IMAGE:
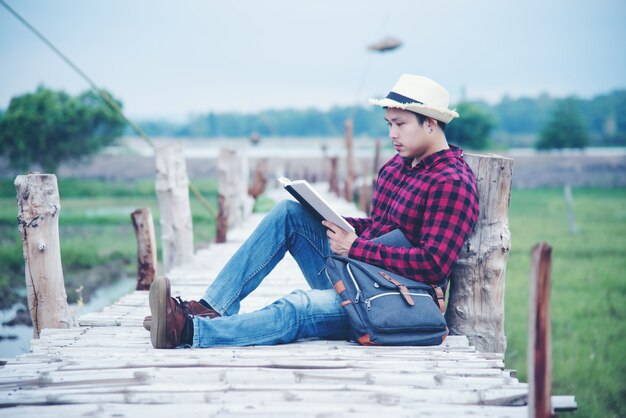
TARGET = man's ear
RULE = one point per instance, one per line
(430, 123)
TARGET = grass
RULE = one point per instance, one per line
(587, 295)
(98, 244)
(588, 288)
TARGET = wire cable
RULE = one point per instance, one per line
(102, 94)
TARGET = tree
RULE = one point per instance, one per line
(564, 129)
(472, 128)
(49, 127)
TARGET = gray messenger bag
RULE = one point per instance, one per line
(384, 308)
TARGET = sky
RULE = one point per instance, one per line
(173, 59)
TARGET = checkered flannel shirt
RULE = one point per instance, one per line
(434, 204)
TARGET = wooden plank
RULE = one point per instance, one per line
(284, 408)
(125, 391)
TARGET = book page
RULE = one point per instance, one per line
(317, 202)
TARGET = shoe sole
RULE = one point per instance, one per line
(158, 309)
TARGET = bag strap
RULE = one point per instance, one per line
(440, 298)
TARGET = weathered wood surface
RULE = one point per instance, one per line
(146, 247)
(476, 298)
(39, 207)
(350, 172)
(539, 340)
(107, 367)
(172, 188)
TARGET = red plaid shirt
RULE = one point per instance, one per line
(434, 204)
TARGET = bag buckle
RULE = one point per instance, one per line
(403, 289)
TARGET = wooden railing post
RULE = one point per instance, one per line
(259, 179)
(333, 182)
(569, 203)
(234, 204)
(539, 338)
(476, 298)
(39, 207)
(226, 191)
(376, 163)
(350, 173)
(146, 247)
(172, 187)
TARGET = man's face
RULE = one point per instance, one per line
(409, 138)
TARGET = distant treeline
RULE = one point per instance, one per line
(604, 117)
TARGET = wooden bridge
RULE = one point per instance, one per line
(103, 364)
(107, 366)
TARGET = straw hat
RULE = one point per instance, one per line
(420, 95)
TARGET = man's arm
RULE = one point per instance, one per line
(359, 224)
(450, 215)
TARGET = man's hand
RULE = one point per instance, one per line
(340, 240)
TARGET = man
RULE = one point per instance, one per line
(426, 190)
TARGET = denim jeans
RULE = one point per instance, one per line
(301, 314)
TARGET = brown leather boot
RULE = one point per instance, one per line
(168, 316)
(190, 307)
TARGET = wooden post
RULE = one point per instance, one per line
(350, 176)
(39, 207)
(259, 181)
(476, 298)
(333, 183)
(366, 190)
(569, 202)
(233, 199)
(245, 202)
(146, 247)
(376, 166)
(226, 192)
(221, 224)
(172, 187)
(539, 341)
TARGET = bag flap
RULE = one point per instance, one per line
(376, 274)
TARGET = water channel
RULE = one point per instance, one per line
(15, 340)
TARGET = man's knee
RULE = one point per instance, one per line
(312, 301)
(288, 208)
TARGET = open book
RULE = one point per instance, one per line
(310, 199)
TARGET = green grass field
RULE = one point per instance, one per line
(588, 286)
(587, 296)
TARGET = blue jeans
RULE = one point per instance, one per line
(301, 314)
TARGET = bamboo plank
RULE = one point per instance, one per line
(267, 409)
(125, 392)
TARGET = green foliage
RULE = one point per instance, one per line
(48, 127)
(286, 122)
(515, 121)
(522, 115)
(472, 128)
(565, 129)
(605, 116)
